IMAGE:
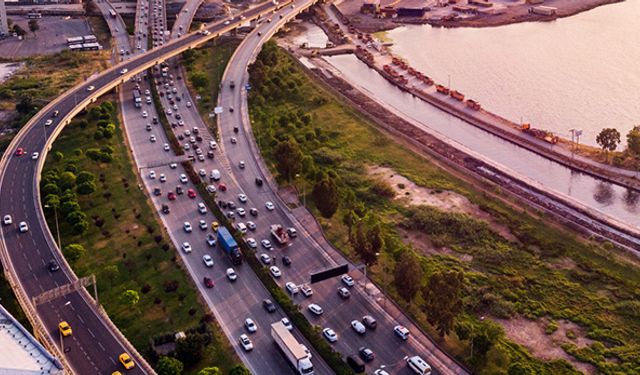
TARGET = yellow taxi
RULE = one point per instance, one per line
(126, 361)
(116, 373)
(214, 225)
(65, 328)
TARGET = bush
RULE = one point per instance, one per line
(93, 154)
(86, 188)
(80, 227)
(57, 156)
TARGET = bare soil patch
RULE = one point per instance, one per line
(423, 245)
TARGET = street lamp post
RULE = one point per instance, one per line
(55, 214)
(304, 196)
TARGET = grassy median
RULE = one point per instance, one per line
(519, 273)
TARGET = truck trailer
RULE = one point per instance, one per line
(229, 245)
(292, 349)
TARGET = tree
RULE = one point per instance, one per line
(442, 299)
(67, 180)
(239, 370)
(484, 337)
(130, 297)
(190, 349)
(80, 227)
(73, 252)
(210, 371)
(19, 30)
(57, 156)
(633, 140)
(408, 275)
(85, 176)
(325, 196)
(169, 366)
(52, 200)
(75, 217)
(49, 189)
(25, 104)
(288, 159)
(199, 79)
(34, 26)
(68, 207)
(608, 139)
(110, 272)
(86, 188)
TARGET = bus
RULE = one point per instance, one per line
(112, 13)
(137, 98)
(89, 39)
(34, 15)
(75, 40)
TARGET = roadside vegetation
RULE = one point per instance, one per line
(108, 228)
(9, 301)
(472, 281)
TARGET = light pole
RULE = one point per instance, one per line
(304, 196)
(55, 214)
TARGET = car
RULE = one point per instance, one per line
(202, 208)
(330, 334)
(183, 178)
(166, 147)
(246, 343)
(347, 280)
(275, 271)
(186, 247)
(234, 140)
(187, 227)
(188, 104)
(152, 138)
(266, 244)
(148, 127)
(210, 154)
(23, 227)
(169, 111)
(214, 225)
(157, 192)
(251, 225)
(222, 187)
(91, 88)
(211, 189)
(163, 178)
(241, 164)
(19, 151)
(344, 293)
(380, 371)
(242, 198)
(124, 71)
(286, 260)
(268, 305)
(186, 146)
(266, 259)
(165, 209)
(231, 204)
(402, 332)
(269, 206)
(213, 145)
(202, 173)
(250, 325)
(231, 274)
(144, 114)
(152, 175)
(358, 327)
(191, 193)
(369, 321)
(208, 261)
(287, 323)
(202, 224)
(251, 242)
(366, 354)
(126, 359)
(208, 282)
(241, 212)
(173, 165)
(231, 215)
(293, 233)
(211, 240)
(7, 220)
(316, 309)
(306, 290)
(291, 287)
(53, 265)
(65, 329)
(253, 211)
(258, 181)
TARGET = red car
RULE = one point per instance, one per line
(208, 282)
(222, 187)
(191, 193)
(171, 196)
(19, 151)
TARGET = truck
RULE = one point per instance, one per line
(229, 245)
(137, 98)
(292, 349)
(279, 233)
(112, 13)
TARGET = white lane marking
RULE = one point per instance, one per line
(82, 320)
(91, 333)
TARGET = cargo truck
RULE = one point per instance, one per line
(229, 245)
(292, 349)
(278, 232)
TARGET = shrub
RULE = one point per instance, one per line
(171, 285)
(80, 227)
(86, 188)
(57, 156)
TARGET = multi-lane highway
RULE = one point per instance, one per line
(95, 345)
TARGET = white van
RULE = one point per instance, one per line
(419, 365)
(241, 227)
(215, 175)
(213, 145)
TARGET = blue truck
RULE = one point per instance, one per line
(229, 245)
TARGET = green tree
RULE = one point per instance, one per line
(85, 176)
(80, 227)
(75, 217)
(52, 200)
(442, 299)
(111, 272)
(190, 349)
(67, 180)
(169, 366)
(73, 252)
(49, 189)
(57, 156)
(288, 158)
(210, 371)
(518, 368)
(484, 337)
(130, 297)
(608, 139)
(633, 140)
(199, 80)
(239, 370)
(325, 195)
(25, 105)
(86, 188)
(408, 275)
(34, 26)
(68, 207)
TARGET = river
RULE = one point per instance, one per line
(578, 72)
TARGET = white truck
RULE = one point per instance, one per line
(279, 233)
(292, 349)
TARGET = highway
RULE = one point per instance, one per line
(94, 345)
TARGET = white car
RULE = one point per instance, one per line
(173, 165)
(241, 164)
(242, 198)
(163, 178)
(187, 227)
(231, 274)
(166, 147)
(266, 259)
(275, 271)
(152, 175)
(203, 224)
(292, 288)
(202, 208)
(186, 247)
(7, 220)
(251, 242)
(250, 325)
(241, 211)
(306, 290)
(211, 240)
(269, 206)
(266, 244)
(251, 225)
(330, 334)
(358, 327)
(380, 372)
(183, 178)
(246, 343)
(23, 227)
(202, 173)
(144, 114)
(211, 189)
(188, 104)
(49, 122)
(316, 309)
(91, 88)
(35, 155)
(347, 280)
(124, 71)
(186, 147)
(401, 331)
(234, 140)
(287, 323)
(208, 261)
(152, 138)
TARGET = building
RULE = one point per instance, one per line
(411, 12)
(20, 352)
(370, 7)
(4, 25)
